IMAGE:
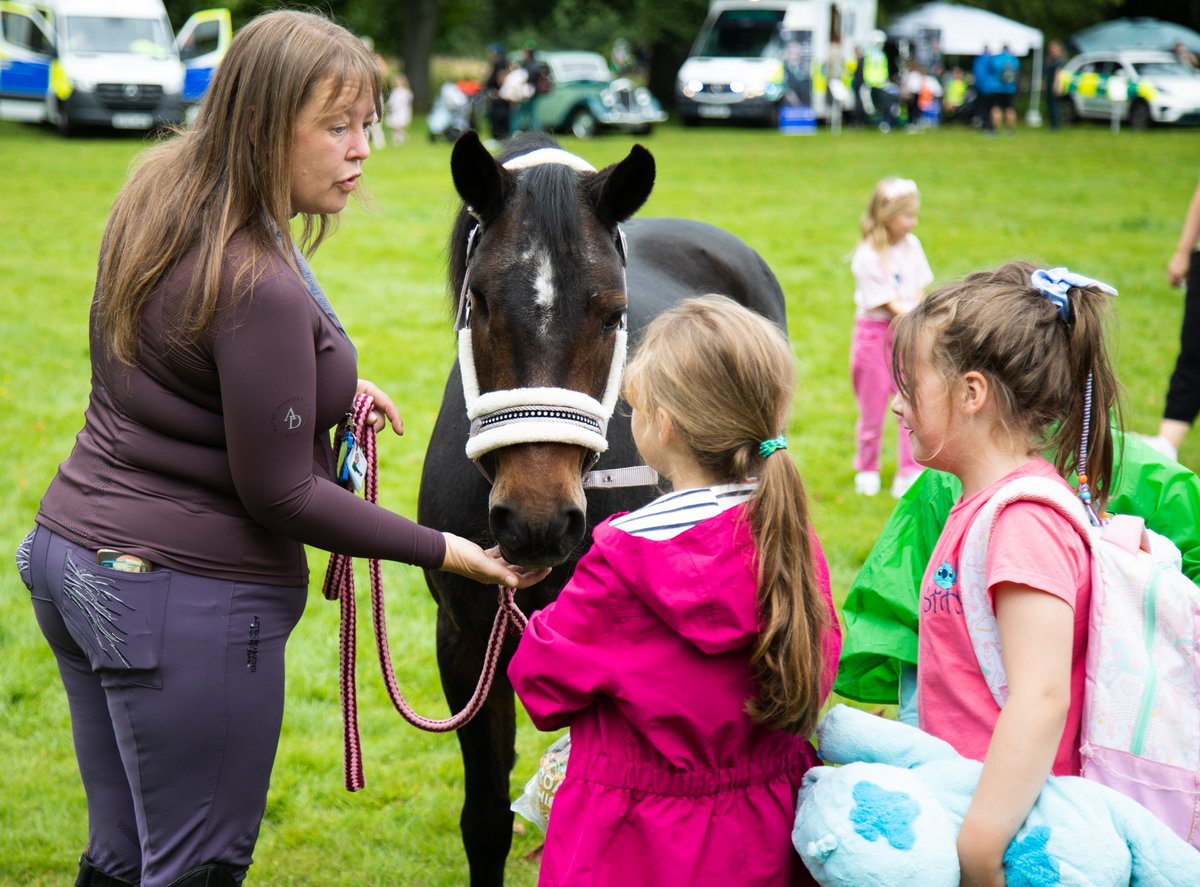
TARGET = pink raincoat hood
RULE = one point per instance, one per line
(697, 582)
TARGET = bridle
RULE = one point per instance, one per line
(545, 414)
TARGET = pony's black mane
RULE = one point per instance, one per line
(552, 216)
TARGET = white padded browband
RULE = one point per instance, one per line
(549, 155)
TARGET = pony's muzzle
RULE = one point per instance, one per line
(545, 540)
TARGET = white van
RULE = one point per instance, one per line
(751, 53)
(113, 63)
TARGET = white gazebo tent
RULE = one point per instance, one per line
(965, 30)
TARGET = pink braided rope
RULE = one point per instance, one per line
(339, 584)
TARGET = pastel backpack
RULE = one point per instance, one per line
(1141, 705)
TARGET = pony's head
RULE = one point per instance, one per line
(538, 262)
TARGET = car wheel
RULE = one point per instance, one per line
(62, 122)
(643, 130)
(689, 122)
(583, 124)
(1139, 115)
(1071, 111)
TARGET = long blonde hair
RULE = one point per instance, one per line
(231, 172)
(998, 324)
(891, 197)
(725, 377)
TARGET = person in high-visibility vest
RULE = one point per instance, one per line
(955, 94)
(875, 77)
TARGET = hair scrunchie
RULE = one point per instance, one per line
(1056, 284)
(767, 447)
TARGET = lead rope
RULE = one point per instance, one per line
(339, 585)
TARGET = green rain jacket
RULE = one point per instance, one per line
(881, 608)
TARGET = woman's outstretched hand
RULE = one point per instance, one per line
(466, 558)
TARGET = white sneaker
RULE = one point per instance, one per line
(901, 482)
(1161, 444)
(866, 483)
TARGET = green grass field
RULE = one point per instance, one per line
(1107, 205)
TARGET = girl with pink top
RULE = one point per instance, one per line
(695, 644)
(890, 275)
(992, 372)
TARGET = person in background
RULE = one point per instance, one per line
(1185, 55)
(399, 109)
(499, 110)
(1006, 77)
(691, 650)
(990, 371)
(1183, 392)
(1055, 58)
(166, 568)
(983, 75)
(857, 86)
(955, 94)
(890, 275)
(884, 92)
(378, 139)
(910, 90)
(538, 80)
(929, 100)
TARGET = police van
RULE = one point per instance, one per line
(751, 56)
(110, 63)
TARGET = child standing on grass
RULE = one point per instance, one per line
(991, 372)
(696, 642)
(890, 275)
(399, 109)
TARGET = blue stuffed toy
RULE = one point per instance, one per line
(891, 815)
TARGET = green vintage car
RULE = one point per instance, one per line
(586, 99)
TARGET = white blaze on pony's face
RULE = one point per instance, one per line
(543, 283)
(546, 333)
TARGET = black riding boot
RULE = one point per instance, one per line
(211, 875)
(92, 876)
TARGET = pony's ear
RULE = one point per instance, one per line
(618, 191)
(481, 182)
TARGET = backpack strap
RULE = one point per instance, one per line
(973, 562)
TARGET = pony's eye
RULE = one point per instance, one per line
(479, 306)
(614, 321)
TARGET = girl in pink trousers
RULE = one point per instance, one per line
(890, 275)
(693, 648)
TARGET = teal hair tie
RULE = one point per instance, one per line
(767, 447)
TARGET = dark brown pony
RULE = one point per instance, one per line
(550, 290)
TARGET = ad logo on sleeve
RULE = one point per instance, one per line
(290, 417)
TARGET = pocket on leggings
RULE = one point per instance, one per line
(24, 557)
(117, 618)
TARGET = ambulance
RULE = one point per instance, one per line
(749, 54)
(105, 63)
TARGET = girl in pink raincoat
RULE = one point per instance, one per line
(693, 648)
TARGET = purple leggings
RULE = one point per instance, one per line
(871, 373)
(175, 687)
